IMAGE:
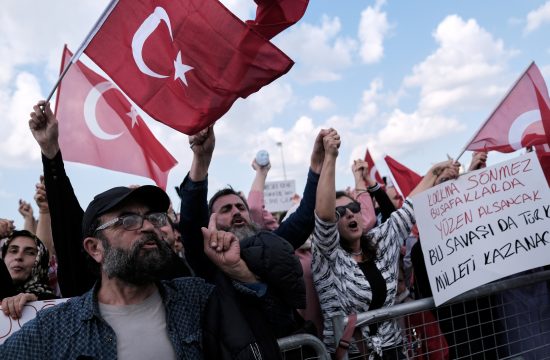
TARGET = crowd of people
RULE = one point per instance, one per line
(223, 278)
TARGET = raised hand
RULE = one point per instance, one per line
(203, 142)
(220, 246)
(40, 196)
(44, 128)
(331, 143)
(25, 209)
(6, 228)
(318, 153)
(224, 250)
(479, 160)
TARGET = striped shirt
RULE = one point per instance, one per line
(341, 284)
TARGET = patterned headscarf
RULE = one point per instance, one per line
(37, 283)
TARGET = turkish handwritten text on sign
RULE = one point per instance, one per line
(486, 225)
(278, 195)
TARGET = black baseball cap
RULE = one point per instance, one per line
(154, 197)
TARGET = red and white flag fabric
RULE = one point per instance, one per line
(543, 154)
(273, 16)
(98, 126)
(373, 171)
(184, 62)
(405, 178)
(516, 122)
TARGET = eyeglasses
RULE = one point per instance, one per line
(135, 221)
(354, 207)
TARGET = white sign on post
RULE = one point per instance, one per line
(278, 195)
(8, 325)
(487, 224)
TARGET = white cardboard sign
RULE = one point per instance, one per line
(278, 195)
(8, 326)
(487, 224)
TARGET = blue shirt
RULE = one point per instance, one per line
(75, 328)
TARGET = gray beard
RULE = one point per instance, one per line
(243, 232)
(132, 267)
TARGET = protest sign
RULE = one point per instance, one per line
(278, 195)
(8, 325)
(486, 225)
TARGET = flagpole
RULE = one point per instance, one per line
(84, 44)
(496, 108)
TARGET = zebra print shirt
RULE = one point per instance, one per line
(341, 285)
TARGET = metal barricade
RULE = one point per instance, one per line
(508, 319)
(302, 347)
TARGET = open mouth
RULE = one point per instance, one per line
(238, 222)
(353, 225)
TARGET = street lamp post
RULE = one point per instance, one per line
(280, 144)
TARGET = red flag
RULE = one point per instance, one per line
(184, 62)
(372, 169)
(544, 111)
(543, 153)
(98, 126)
(273, 16)
(516, 122)
(405, 178)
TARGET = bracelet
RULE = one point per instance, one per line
(360, 190)
(373, 188)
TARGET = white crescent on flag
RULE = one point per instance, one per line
(520, 124)
(144, 31)
(90, 104)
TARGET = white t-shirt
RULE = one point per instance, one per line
(140, 329)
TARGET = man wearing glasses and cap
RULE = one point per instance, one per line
(129, 313)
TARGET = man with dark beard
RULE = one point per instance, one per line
(129, 313)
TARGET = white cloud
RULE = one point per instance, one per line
(245, 10)
(464, 72)
(320, 103)
(373, 28)
(320, 53)
(537, 18)
(369, 109)
(17, 145)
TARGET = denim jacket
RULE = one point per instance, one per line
(76, 330)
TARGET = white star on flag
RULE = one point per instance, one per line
(133, 114)
(180, 69)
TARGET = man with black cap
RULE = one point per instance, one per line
(74, 273)
(129, 314)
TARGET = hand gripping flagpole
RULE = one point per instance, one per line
(84, 44)
(496, 108)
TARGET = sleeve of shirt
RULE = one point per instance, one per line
(367, 209)
(258, 213)
(326, 238)
(299, 225)
(193, 216)
(25, 343)
(390, 234)
(66, 219)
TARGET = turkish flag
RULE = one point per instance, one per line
(273, 16)
(373, 171)
(184, 62)
(405, 178)
(516, 122)
(98, 126)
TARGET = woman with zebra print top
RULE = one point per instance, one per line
(355, 272)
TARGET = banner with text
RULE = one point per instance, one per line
(8, 325)
(278, 195)
(487, 224)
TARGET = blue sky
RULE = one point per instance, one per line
(412, 79)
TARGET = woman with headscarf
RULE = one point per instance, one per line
(353, 271)
(26, 260)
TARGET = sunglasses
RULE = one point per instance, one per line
(354, 207)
